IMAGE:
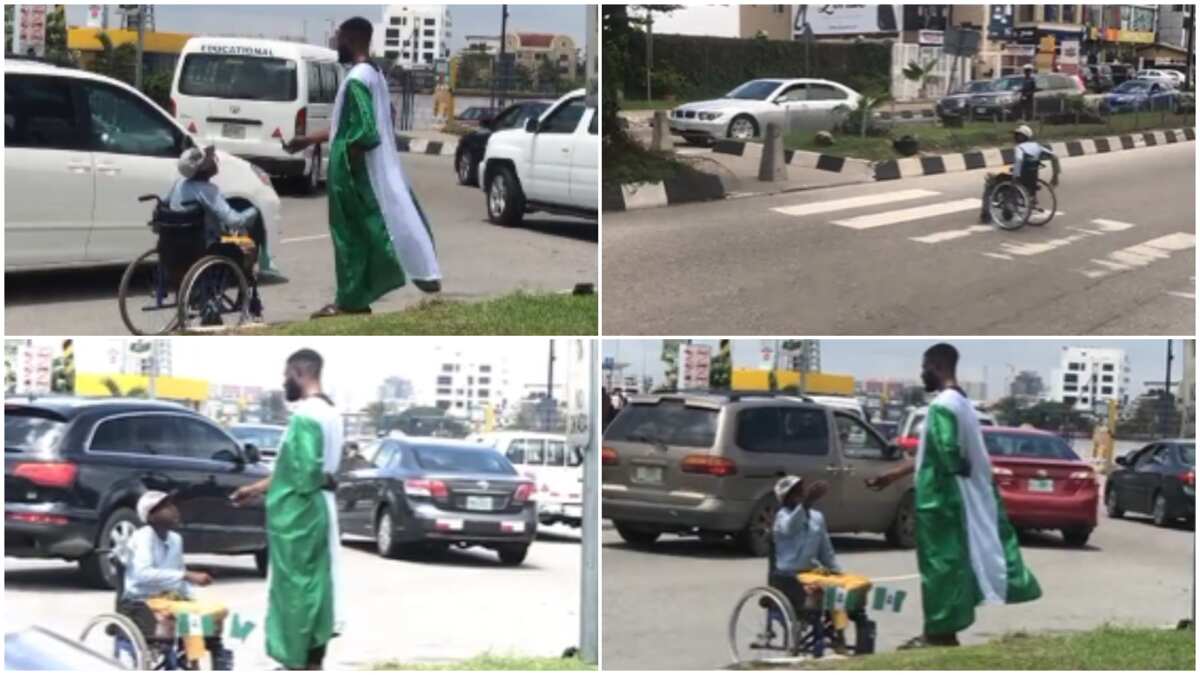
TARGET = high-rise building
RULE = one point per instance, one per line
(1026, 384)
(976, 391)
(413, 35)
(1088, 376)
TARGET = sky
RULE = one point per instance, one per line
(900, 358)
(275, 20)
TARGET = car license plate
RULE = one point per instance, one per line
(1041, 485)
(479, 503)
(981, 111)
(648, 474)
(236, 131)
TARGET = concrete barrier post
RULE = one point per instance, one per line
(772, 167)
(661, 140)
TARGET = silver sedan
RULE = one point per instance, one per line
(796, 105)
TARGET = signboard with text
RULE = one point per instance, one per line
(1000, 22)
(695, 362)
(845, 19)
(32, 24)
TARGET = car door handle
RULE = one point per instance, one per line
(108, 169)
(79, 167)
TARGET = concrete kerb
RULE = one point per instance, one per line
(909, 167)
(801, 159)
(425, 146)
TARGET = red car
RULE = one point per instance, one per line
(1044, 484)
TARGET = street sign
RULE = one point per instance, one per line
(32, 28)
(960, 42)
(695, 362)
(95, 17)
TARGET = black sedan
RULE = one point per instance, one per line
(410, 493)
(471, 147)
(1159, 479)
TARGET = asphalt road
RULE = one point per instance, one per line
(668, 608)
(478, 259)
(427, 610)
(907, 257)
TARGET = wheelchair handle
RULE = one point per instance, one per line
(146, 198)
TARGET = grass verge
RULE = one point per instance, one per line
(624, 161)
(492, 662)
(936, 139)
(514, 314)
(1104, 648)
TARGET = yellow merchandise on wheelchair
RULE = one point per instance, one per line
(817, 583)
(169, 611)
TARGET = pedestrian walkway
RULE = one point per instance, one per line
(917, 215)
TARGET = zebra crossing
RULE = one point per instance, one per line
(906, 210)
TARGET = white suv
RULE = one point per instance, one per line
(552, 164)
(79, 148)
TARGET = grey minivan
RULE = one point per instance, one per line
(705, 464)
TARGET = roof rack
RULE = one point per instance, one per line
(737, 394)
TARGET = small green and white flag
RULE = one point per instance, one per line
(887, 598)
(835, 598)
(237, 629)
(194, 624)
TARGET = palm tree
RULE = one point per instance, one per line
(114, 390)
(921, 74)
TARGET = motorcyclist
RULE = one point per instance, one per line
(1028, 155)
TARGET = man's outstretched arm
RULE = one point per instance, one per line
(885, 479)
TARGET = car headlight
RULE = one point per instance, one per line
(262, 175)
(709, 116)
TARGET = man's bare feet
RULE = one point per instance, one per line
(333, 310)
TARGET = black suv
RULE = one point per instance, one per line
(470, 149)
(75, 468)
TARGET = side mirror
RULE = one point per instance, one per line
(531, 125)
(229, 456)
(1122, 460)
(253, 456)
(891, 451)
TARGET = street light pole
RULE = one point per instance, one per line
(589, 604)
(1166, 397)
(649, 52)
(141, 46)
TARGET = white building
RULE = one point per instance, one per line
(1087, 375)
(412, 35)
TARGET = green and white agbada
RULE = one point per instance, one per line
(967, 550)
(380, 234)
(304, 603)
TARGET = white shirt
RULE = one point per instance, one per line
(154, 566)
(219, 216)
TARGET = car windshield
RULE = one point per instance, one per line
(1187, 451)
(462, 460)
(30, 432)
(755, 90)
(238, 77)
(261, 438)
(669, 422)
(1132, 86)
(1032, 446)
(1008, 84)
(976, 87)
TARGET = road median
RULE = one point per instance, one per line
(1104, 648)
(517, 313)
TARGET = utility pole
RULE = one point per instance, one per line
(1189, 24)
(550, 405)
(589, 68)
(505, 72)
(152, 390)
(649, 53)
(1166, 397)
(589, 603)
(141, 46)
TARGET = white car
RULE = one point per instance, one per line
(796, 105)
(248, 96)
(1173, 78)
(554, 467)
(79, 149)
(551, 164)
(914, 426)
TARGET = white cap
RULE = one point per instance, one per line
(148, 502)
(784, 485)
(190, 162)
(1024, 130)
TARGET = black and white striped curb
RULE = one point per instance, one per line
(909, 167)
(424, 146)
(690, 187)
(926, 114)
(800, 159)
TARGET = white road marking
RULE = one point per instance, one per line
(1141, 255)
(1038, 247)
(852, 202)
(1111, 225)
(1181, 294)
(998, 256)
(905, 215)
(947, 235)
(293, 240)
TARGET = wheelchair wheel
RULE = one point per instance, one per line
(119, 638)
(144, 299)
(1047, 203)
(214, 294)
(1009, 205)
(762, 626)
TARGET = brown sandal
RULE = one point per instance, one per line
(333, 310)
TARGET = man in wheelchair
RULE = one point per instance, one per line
(804, 566)
(198, 167)
(1028, 156)
(157, 588)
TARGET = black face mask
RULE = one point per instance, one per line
(931, 381)
(291, 390)
(345, 56)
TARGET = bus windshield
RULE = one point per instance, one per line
(248, 78)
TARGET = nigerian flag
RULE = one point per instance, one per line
(194, 623)
(887, 598)
(967, 550)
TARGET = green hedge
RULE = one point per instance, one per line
(690, 67)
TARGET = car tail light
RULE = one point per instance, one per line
(192, 128)
(709, 464)
(37, 518)
(523, 492)
(419, 487)
(277, 133)
(171, 107)
(47, 474)
(1188, 477)
(608, 457)
(302, 122)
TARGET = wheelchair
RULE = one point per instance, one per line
(766, 625)
(186, 284)
(128, 635)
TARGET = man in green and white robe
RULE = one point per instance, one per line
(380, 234)
(967, 551)
(304, 609)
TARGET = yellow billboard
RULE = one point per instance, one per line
(117, 384)
(754, 379)
(88, 40)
